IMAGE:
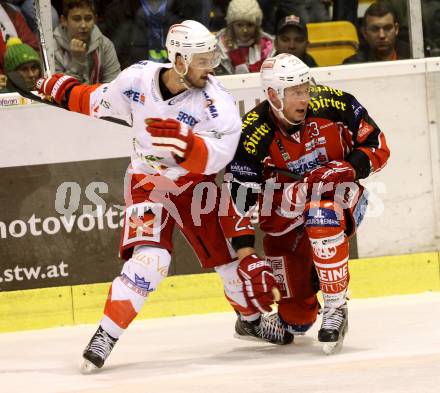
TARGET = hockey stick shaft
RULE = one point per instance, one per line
(43, 47)
(15, 80)
(288, 174)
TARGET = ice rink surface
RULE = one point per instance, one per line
(393, 345)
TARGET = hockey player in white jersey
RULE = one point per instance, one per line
(186, 129)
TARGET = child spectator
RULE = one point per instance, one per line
(24, 59)
(243, 45)
(81, 50)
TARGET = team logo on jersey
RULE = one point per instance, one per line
(357, 108)
(321, 217)
(187, 119)
(142, 223)
(319, 102)
(241, 170)
(210, 105)
(135, 96)
(140, 285)
(308, 161)
(365, 129)
(252, 140)
(279, 271)
(315, 142)
(250, 118)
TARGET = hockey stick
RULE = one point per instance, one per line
(288, 174)
(16, 82)
(43, 47)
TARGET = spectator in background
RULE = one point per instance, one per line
(310, 11)
(81, 50)
(210, 13)
(431, 27)
(28, 11)
(243, 45)
(13, 24)
(401, 12)
(345, 10)
(138, 28)
(217, 16)
(24, 59)
(380, 30)
(292, 38)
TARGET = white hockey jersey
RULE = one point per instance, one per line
(135, 96)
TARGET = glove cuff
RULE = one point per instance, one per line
(196, 158)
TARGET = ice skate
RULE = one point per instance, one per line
(97, 351)
(333, 329)
(266, 328)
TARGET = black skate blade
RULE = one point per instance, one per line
(250, 338)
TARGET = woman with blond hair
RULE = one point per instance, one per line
(242, 43)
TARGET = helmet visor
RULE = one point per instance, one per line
(298, 92)
(205, 60)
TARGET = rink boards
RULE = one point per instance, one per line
(202, 293)
(50, 262)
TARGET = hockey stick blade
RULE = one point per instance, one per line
(16, 82)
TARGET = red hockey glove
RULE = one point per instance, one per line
(56, 86)
(335, 172)
(171, 135)
(259, 284)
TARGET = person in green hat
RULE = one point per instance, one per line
(24, 59)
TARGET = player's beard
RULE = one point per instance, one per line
(197, 82)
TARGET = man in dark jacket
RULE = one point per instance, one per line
(380, 30)
(138, 29)
(291, 37)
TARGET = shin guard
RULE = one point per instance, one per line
(140, 275)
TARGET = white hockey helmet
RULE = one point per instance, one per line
(282, 71)
(188, 38)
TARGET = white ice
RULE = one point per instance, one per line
(393, 345)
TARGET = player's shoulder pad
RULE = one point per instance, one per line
(219, 105)
(257, 129)
(326, 99)
(133, 81)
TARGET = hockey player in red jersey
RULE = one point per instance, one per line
(324, 139)
(186, 128)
